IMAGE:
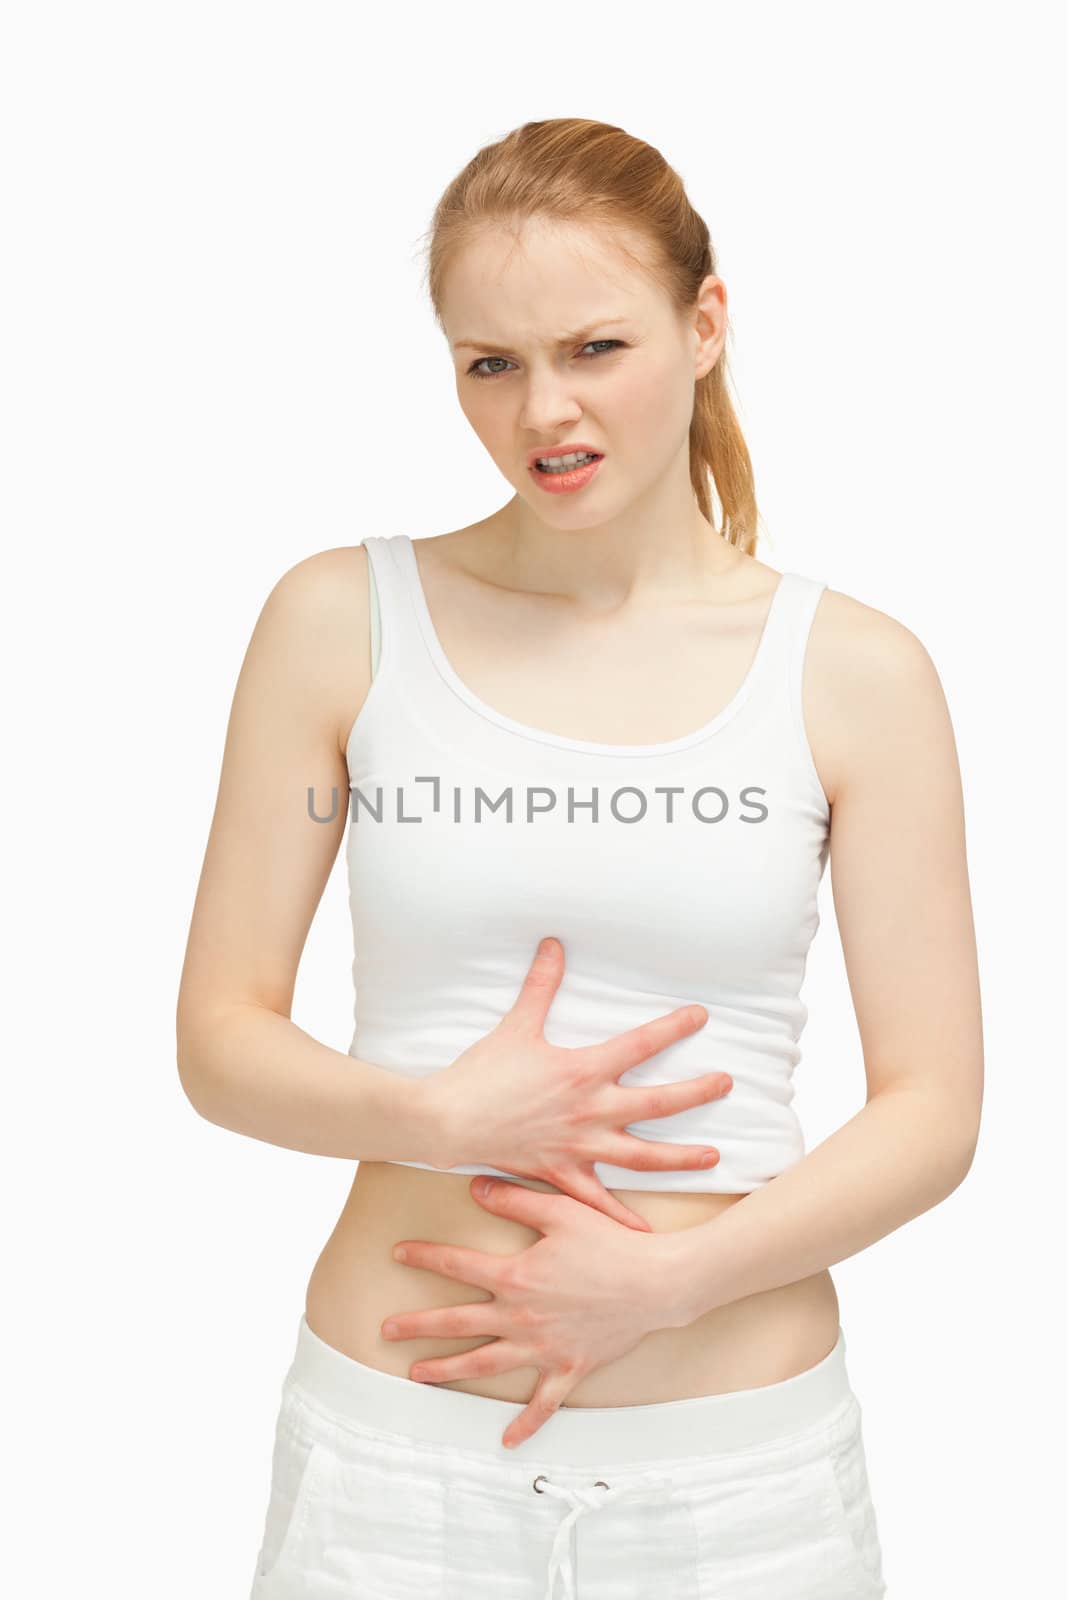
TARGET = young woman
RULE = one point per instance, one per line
(596, 720)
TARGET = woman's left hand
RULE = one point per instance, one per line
(582, 1295)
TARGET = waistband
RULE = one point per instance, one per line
(701, 1427)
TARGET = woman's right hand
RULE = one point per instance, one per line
(513, 1101)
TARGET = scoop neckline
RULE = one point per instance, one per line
(562, 741)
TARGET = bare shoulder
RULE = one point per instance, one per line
(870, 686)
(324, 586)
(318, 616)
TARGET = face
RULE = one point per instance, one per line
(559, 339)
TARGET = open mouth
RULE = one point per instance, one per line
(567, 464)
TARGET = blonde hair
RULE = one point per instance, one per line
(571, 169)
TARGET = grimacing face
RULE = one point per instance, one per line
(558, 337)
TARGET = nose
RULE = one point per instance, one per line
(548, 405)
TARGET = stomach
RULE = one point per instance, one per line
(355, 1284)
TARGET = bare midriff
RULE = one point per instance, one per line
(761, 1339)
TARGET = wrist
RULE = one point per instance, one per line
(680, 1275)
(436, 1127)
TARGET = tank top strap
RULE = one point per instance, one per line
(788, 625)
(394, 632)
(375, 617)
(784, 644)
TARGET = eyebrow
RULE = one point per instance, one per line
(565, 338)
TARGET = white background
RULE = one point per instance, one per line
(217, 359)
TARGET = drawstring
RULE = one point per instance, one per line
(651, 1484)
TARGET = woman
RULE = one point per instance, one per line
(596, 720)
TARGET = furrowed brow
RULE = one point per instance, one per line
(564, 338)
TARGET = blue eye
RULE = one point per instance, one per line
(473, 369)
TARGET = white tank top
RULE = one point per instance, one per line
(675, 872)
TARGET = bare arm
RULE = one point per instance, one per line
(242, 1061)
(901, 894)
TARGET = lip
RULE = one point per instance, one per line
(572, 482)
(561, 450)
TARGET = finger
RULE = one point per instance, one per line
(637, 1044)
(514, 1200)
(664, 1099)
(547, 1398)
(647, 1155)
(453, 1261)
(444, 1322)
(591, 1192)
(483, 1362)
(538, 991)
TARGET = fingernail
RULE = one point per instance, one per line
(400, 1254)
(709, 1158)
(483, 1186)
(388, 1329)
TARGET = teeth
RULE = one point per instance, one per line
(564, 463)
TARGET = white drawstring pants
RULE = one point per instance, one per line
(387, 1489)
